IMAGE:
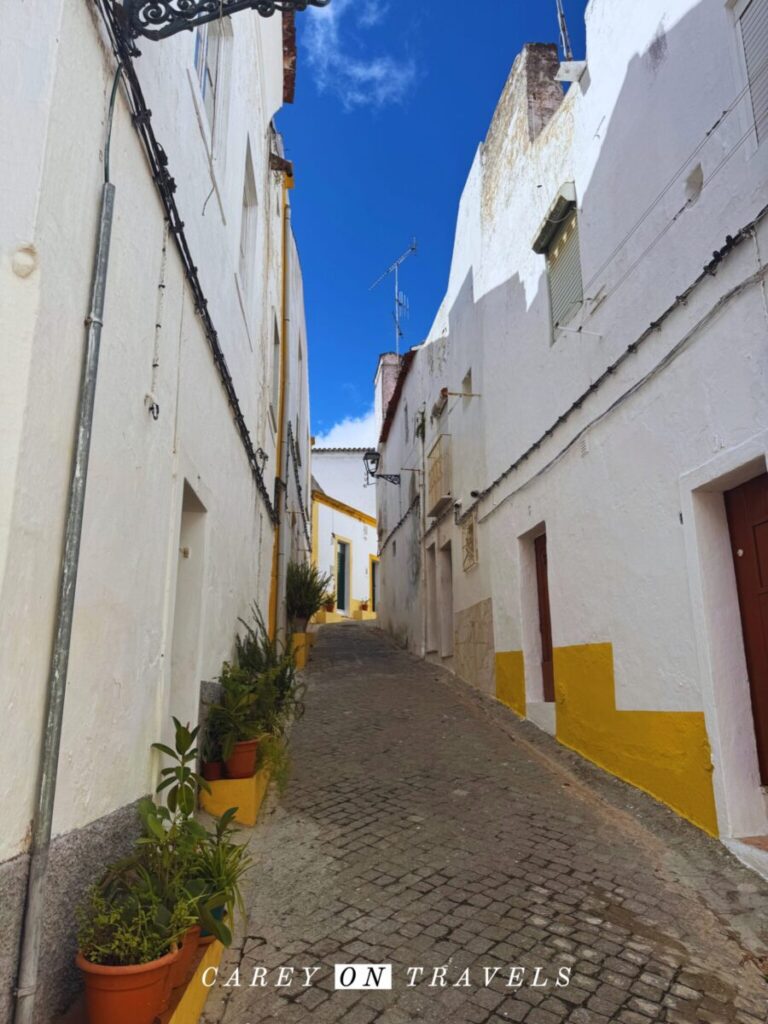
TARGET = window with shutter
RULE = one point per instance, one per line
(564, 272)
(754, 36)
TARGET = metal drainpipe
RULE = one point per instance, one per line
(26, 988)
(278, 552)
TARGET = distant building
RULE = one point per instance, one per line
(589, 413)
(344, 541)
(200, 450)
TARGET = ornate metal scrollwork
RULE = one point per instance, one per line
(158, 19)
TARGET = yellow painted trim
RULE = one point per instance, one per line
(246, 795)
(300, 649)
(190, 1006)
(274, 582)
(315, 529)
(510, 680)
(664, 753)
(340, 506)
(324, 618)
(350, 600)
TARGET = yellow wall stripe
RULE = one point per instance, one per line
(510, 680)
(664, 753)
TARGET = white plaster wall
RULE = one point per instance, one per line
(606, 482)
(118, 698)
(341, 474)
(332, 524)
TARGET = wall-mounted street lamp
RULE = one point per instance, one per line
(371, 460)
(158, 19)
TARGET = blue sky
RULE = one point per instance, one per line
(392, 99)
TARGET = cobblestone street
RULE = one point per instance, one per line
(424, 826)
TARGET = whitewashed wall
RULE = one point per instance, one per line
(119, 695)
(614, 480)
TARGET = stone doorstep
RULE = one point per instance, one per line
(187, 1001)
(752, 852)
(247, 795)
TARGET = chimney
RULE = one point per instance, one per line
(540, 64)
(384, 385)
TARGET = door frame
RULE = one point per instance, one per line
(373, 579)
(336, 541)
(742, 804)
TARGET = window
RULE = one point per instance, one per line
(558, 241)
(208, 47)
(564, 272)
(754, 37)
(247, 226)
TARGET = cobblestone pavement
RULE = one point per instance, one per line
(425, 827)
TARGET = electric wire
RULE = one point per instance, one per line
(124, 51)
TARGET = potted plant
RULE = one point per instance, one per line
(220, 865)
(305, 591)
(212, 768)
(273, 674)
(245, 711)
(329, 602)
(363, 606)
(128, 946)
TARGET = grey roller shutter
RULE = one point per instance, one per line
(564, 272)
(754, 35)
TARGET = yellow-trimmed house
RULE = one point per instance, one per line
(344, 535)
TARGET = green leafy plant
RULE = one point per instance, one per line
(260, 655)
(273, 752)
(246, 710)
(122, 925)
(305, 592)
(221, 864)
(180, 778)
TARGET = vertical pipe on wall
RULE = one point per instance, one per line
(57, 680)
(277, 553)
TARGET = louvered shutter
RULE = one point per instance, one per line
(754, 35)
(564, 271)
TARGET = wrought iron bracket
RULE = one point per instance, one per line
(158, 19)
(391, 478)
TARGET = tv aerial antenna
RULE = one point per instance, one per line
(565, 39)
(401, 309)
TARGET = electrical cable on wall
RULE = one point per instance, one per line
(124, 52)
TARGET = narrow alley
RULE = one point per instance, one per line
(425, 827)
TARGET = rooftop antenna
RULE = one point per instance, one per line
(564, 37)
(401, 303)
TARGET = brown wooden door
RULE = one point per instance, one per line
(545, 620)
(747, 508)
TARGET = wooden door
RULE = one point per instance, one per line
(545, 620)
(747, 508)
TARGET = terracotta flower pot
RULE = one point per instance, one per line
(182, 969)
(242, 763)
(126, 995)
(329, 606)
(213, 770)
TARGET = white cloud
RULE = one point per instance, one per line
(351, 432)
(358, 81)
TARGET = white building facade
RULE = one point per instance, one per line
(344, 538)
(584, 528)
(198, 484)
